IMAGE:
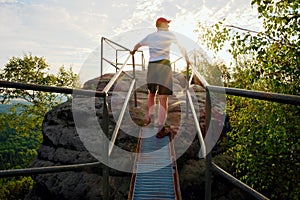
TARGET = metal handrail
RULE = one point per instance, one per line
(61, 90)
(238, 183)
(282, 98)
(199, 76)
(209, 164)
(115, 77)
(207, 155)
(50, 169)
(62, 168)
(109, 42)
(120, 119)
(112, 42)
(110, 62)
(202, 153)
(205, 84)
(268, 96)
(44, 88)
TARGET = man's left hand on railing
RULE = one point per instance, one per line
(188, 63)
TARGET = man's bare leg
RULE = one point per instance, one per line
(163, 109)
(151, 103)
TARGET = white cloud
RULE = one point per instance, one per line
(8, 1)
(65, 32)
(49, 31)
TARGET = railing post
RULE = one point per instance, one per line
(143, 62)
(134, 77)
(105, 170)
(101, 61)
(208, 164)
(187, 88)
(208, 176)
(116, 60)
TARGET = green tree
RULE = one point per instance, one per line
(215, 73)
(20, 129)
(265, 136)
(270, 56)
(35, 70)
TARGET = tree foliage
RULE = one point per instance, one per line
(271, 55)
(265, 136)
(35, 70)
(215, 73)
(15, 188)
(264, 142)
(20, 128)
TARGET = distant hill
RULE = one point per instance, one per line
(4, 108)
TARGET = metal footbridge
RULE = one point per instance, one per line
(155, 175)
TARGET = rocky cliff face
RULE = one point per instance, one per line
(63, 145)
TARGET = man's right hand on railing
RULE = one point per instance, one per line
(135, 48)
(188, 63)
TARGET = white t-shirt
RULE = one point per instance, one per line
(159, 45)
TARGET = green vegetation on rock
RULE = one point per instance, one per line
(265, 137)
(21, 121)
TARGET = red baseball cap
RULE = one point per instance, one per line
(162, 20)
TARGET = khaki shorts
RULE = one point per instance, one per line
(159, 77)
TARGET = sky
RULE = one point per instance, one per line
(67, 32)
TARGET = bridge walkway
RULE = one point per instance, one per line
(155, 175)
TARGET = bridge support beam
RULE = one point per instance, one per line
(208, 176)
(105, 170)
(208, 162)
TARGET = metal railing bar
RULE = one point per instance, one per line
(208, 159)
(109, 43)
(238, 183)
(116, 59)
(199, 76)
(116, 44)
(123, 50)
(130, 64)
(116, 66)
(104, 149)
(143, 61)
(129, 75)
(43, 88)
(275, 97)
(130, 50)
(110, 62)
(268, 96)
(176, 60)
(120, 119)
(45, 170)
(203, 147)
(134, 78)
(191, 78)
(115, 77)
(126, 50)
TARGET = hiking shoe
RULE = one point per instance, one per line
(162, 132)
(149, 120)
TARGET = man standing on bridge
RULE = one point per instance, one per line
(159, 75)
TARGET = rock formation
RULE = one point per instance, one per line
(62, 145)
